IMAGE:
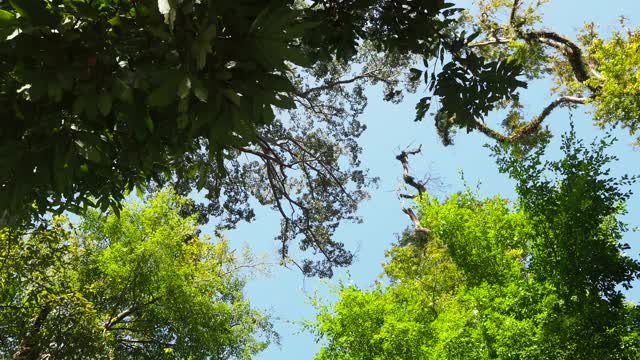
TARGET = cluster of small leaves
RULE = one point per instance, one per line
(540, 279)
(140, 286)
(579, 210)
(468, 88)
(495, 24)
(403, 26)
(618, 99)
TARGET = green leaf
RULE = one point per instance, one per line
(415, 74)
(280, 83)
(200, 91)
(34, 10)
(7, 18)
(232, 96)
(184, 87)
(89, 151)
(167, 91)
(202, 178)
(122, 91)
(115, 21)
(298, 30)
(104, 104)
(202, 46)
(296, 55)
(148, 122)
(162, 96)
(284, 102)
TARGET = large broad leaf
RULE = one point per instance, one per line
(6, 18)
(202, 45)
(34, 10)
(167, 92)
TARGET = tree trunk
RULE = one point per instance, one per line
(28, 348)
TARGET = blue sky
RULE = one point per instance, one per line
(391, 128)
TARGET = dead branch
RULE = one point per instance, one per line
(403, 157)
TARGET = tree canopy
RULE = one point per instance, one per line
(141, 286)
(486, 279)
(105, 97)
(591, 69)
(249, 103)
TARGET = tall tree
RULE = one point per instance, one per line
(141, 286)
(482, 279)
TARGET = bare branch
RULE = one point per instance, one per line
(494, 41)
(258, 154)
(329, 85)
(403, 157)
(568, 48)
(416, 222)
(127, 312)
(144, 341)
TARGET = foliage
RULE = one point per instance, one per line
(105, 94)
(258, 102)
(141, 286)
(105, 97)
(589, 69)
(537, 280)
(618, 64)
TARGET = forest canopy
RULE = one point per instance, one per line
(143, 285)
(539, 278)
(209, 110)
(109, 97)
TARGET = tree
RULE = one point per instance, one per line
(104, 97)
(144, 285)
(483, 279)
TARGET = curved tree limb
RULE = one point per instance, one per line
(568, 48)
(531, 126)
(489, 42)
